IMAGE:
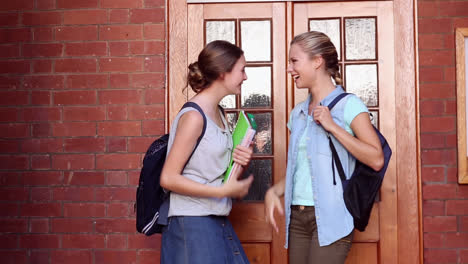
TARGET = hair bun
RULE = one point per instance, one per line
(195, 77)
(194, 66)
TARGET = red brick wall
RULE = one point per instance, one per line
(445, 202)
(81, 97)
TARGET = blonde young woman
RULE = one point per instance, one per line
(318, 225)
(198, 230)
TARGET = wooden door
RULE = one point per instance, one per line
(364, 36)
(259, 29)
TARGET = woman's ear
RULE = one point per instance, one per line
(318, 61)
(222, 75)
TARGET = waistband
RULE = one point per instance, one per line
(302, 207)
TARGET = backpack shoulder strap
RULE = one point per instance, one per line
(336, 100)
(198, 108)
(335, 157)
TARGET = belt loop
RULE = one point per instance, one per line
(299, 207)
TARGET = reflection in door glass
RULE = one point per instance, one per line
(360, 36)
(229, 101)
(256, 90)
(263, 141)
(262, 171)
(361, 80)
(374, 118)
(331, 27)
(256, 40)
(220, 30)
(231, 119)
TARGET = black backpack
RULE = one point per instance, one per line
(360, 190)
(152, 201)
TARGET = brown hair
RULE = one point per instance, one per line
(316, 43)
(217, 57)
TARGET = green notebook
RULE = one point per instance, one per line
(243, 134)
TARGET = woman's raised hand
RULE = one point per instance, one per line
(323, 117)
(242, 155)
(236, 187)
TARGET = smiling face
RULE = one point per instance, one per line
(233, 80)
(302, 68)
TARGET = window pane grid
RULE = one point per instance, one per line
(366, 88)
(360, 38)
(220, 30)
(256, 39)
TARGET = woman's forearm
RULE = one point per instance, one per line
(180, 184)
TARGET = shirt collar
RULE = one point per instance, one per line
(326, 101)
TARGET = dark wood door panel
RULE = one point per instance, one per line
(248, 219)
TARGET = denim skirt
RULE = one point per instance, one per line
(201, 240)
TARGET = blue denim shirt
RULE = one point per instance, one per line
(333, 219)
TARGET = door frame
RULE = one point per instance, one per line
(409, 194)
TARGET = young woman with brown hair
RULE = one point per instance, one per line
(198, 230)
